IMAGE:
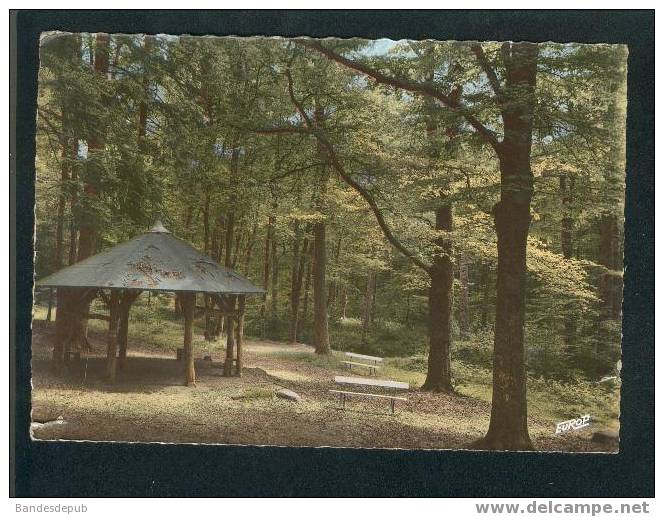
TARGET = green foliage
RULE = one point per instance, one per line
(204, 132)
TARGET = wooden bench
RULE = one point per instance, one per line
(361, 381)
(372, 366)
(344, 394)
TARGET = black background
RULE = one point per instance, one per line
(126, 470)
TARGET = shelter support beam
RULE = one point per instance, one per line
(230, 340)
(61, 328)
(70, 303)
(127, 300)
(239, 333)
(188, 303)
(111, 349)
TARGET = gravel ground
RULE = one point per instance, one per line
(148, 403)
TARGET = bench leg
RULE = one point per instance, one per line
(343, 400)
(392, 404)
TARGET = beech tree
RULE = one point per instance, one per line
(511, 76)
(387, 200)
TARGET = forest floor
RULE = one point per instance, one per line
(148, 403)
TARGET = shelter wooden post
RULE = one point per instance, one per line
(127, 300)
(61, 330)
(230, 340)
(188, 304)
(111, 349)
(239, 333)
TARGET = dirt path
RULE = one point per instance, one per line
(149, 404)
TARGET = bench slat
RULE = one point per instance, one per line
(374, 366)
(368, 395)
(361, 381)
(362, 356)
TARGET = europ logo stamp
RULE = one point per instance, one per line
(573, 425)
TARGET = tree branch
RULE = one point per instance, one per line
(336, 164)
(488, 70)
(374, 207)
(278, 130)
(295, 102)
(406, 84)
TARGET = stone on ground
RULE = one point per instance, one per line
(288, 395)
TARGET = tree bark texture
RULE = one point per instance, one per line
(464, 305)
(239, 334)
(112, 345)
(230, 338)
(567, 245)
(299, 258)
(368, 304)
(188, 301)
(441, 273)
(508, 426)
(321, 337)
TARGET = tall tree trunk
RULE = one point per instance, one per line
(206, 223)
(87, 229)
(68, 172)
(368, 304)
(214, 239)
(407, 316)
(374, 292)
(567, 245)
(464, 308)
(307, 289)
(188, 219)
(321, 337)
(441, 274)
(274, 286)
(73, 230)
(269, 236)
(508, 427)
(485, 282)
(62, 204)
(297, 273)
(610, 257)
(73, 202)
(344, 302)
(238, 242)
(143, 106)
(62, 201)
(87, 225)
(439, 374)
(249, 249)
(209, 320)
(228, 259)
(230, 234)
(334, 285)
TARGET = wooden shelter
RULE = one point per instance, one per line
(154, 261)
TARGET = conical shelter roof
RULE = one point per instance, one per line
(153, 261)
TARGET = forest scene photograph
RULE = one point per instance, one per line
(335, 242)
